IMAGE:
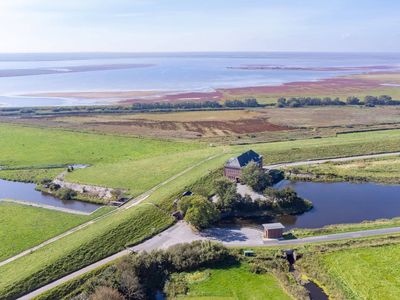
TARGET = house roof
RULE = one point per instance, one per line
(273, 226)
(244, 159)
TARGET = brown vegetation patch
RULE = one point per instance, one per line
(207, 128)
(325, 86)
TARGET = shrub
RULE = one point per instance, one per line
(106, 293)
(66, 194)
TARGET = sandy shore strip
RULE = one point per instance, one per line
(28, 203)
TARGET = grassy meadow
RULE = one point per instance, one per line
(366, 273)
(30, 175)
(385, 170)
(24, 226)
(27, 146)
(235, 282)
(136, 164)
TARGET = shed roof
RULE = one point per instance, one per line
(273, 226)
(244, 159)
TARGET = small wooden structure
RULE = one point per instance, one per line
(273, 230)
(248, 252)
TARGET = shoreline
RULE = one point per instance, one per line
(369, 82)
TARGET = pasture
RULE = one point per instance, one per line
(384, 170)
(365, 273)
(127, 227)
(24, 226)
(235, 282)
(27, 146)
(233, 126)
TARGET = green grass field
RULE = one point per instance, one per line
(235, 283)
(385, 170)
(25, 146)
(366, 273)
(30, 175)
(24, 226)
(132, 163)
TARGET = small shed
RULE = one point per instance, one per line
(248, 252)
(273, 230)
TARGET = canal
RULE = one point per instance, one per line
(26, 192)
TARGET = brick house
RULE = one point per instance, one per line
(273, 231)
(233, 167)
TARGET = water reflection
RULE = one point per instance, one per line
(26, 192)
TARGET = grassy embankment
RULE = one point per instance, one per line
(25, 226)
(128, 227)
(342, 228)
(30, 175)
(236, 282)
(382, 170)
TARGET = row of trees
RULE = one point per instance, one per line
(140, 276)
(251, 102)
(308, 101)
(352, 100)
(143, 106)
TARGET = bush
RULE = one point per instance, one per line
(106, 293)
(288, 201)
(66, 194)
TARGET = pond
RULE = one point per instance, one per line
(343, 202)
(336, 203)
(26, 192)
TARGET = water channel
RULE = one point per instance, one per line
(26, 192)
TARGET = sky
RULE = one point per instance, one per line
(199, 25)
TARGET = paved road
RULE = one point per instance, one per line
(321, 161)
(231, 237)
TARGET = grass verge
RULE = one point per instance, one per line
(342, 228)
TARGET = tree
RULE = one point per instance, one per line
(385, 100)
(370, 100)
(255, 177)
(228, 198)
(106, 293)
(282, 102)
(353, 100)
(198, 211)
